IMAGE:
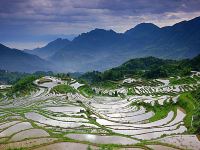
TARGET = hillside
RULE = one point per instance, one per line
(16, 60)
(49, 49)
(148, 67)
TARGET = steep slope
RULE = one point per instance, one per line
(50, 49)
(16, 60)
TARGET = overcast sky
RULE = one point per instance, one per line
(33, 23)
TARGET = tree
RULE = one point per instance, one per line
(196, 121)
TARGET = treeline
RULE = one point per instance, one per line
(7, 77)
(23, 87)
(148, 67)
(196, 119)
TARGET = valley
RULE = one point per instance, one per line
(132, 113)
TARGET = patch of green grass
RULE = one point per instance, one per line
(143, 82)
(17, 148)
(1, 96)
(86, 90)
(196, 77)
(63, 89)
(188, 103)
(130, 91)
(161, 111)
(185, 101)
(108, 147)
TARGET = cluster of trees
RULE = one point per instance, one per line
(7, 77)
(23, 86)
(149, 67)
(196, 121)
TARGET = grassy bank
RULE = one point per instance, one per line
(161, 111)
(187, 102)
(63, 89)
(86, 90)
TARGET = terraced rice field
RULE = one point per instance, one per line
(46, 120)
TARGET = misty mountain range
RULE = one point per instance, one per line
(17, 60)
(101, 49)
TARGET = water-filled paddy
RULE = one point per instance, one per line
(72, 121)
(103, 139)
(31, 133)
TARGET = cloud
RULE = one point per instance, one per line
(34, 19)
(24, 45)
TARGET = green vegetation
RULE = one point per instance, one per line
(183, 80)
(155, 72)
(149, 68)
(107, 84)
(91, 77)
(63, 89)
(17, 149)
(10, 77)
(196, 120)
(143, 82)
(1, 96)
(130, 91)
(190, 102)
(187, 103)
(161, 111)
(63, 76)
(108, 147)
(7, 77)
(86, 90)
(23, 87)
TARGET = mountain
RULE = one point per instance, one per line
(16, 60)
(50, 49)
(101, 49)
(143, 29)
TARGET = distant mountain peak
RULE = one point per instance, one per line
(143, 27)
(58, 41)
(98, 31)
(50, 49)
(100, 34)
(146, 26)
(102, 30)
